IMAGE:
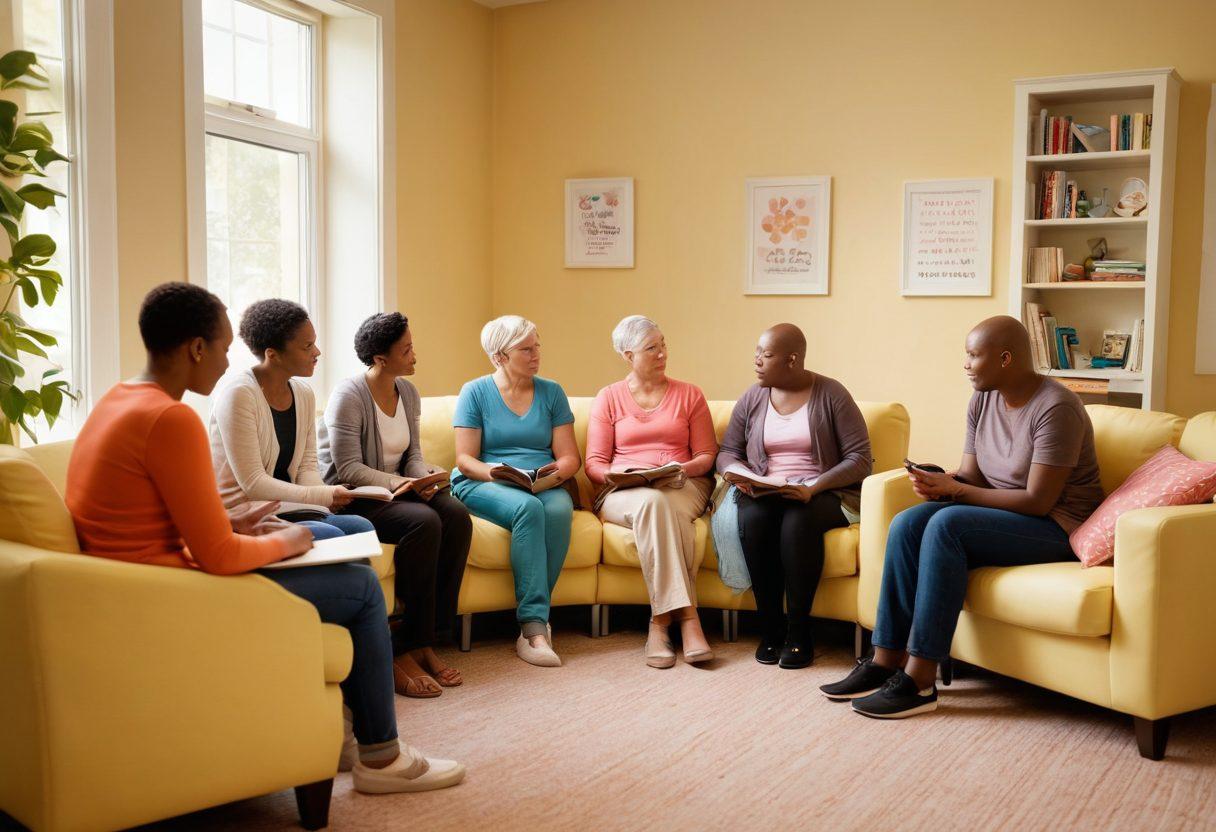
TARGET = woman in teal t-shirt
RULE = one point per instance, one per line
(517, 418)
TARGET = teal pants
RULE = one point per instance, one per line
(540, 535)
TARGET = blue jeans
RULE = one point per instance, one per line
(930, 550)
(540, 535)
(349, 594)
(337, 525)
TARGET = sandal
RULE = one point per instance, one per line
(449, 677)
(415, 687)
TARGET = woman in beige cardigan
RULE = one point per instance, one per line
(263, 444)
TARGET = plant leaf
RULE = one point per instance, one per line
(52, 403)
(29, 292)
(12, 404)
(8, 120)
(10, 227)
(16, 63)
(33, 247)
(44, 338)
(31, 135)
(12, 203)
(40, 196)
(26, 345)
(50, 289)
(47, 155)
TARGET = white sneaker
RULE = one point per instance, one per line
(350, 747)
(410, 772)
(542, 656)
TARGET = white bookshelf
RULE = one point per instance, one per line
(1094, 307)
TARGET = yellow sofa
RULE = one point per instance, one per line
(134, 693)
(1138, 637)
(602, 565)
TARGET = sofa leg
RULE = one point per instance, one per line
(730, 625)
(1151, 737)
(312, 801)
(861, 641)
(596, 617)
(466, 632)
(603, 619)
(947, 670)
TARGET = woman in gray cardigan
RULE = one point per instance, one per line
(803, 428)
(369, 436)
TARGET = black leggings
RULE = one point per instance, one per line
(432, 546)
(783, 545)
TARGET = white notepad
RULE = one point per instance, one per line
(335, 550)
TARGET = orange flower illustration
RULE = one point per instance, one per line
(610, 198)
(782, 220)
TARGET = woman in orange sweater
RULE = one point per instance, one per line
(141, 488)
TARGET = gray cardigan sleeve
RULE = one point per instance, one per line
(853, 439)
(733, 448)
(342, 442)
(413, 465)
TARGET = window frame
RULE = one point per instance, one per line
(232, 120)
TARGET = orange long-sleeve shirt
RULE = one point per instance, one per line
(141, 488)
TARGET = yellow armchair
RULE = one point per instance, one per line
(133, 693)
(1138, 637)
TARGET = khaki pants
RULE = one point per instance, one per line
(661, 519)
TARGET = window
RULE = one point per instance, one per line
(262, 154)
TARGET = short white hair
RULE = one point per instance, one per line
(501, 334)
(631, 332)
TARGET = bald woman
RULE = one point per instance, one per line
(1029, 476)
(804, 428)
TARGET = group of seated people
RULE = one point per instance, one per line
(146, 484)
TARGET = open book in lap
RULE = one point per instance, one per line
(534, 480)
(351, 547)
(762, 486)
(428, 486)
(670, 475)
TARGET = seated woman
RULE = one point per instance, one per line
(263, 439)
(1029, 476)
(370, 436)
(514, 417)
(141, 489)
(646, 421)
(804, 428)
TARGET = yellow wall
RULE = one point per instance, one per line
(443, 128)
(692, 96)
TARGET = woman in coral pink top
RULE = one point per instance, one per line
(646, 421)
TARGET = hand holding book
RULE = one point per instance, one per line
(756, 485)
(535, 480)
(425, 487)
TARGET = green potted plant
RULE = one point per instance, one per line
(26, 149)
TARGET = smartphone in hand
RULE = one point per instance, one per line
(921, 466)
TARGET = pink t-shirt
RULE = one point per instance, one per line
(787, 443)
(621, 433)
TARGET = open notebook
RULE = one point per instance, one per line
(335, 550)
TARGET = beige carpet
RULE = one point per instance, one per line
(607, 743)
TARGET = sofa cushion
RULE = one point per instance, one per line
(840, 548)
(337, 652)
(1170, 478)
(1199, 437)
(1126, 437)
(1063, 598)
(491, 547)
(31, 510)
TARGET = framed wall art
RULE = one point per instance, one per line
(599, 223)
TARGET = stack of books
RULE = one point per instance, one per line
(1054, 135)
(1131, 132)
(1057, 196)
(1053, 347)
(1045, 265)
(1135, 349)
(1120, 270)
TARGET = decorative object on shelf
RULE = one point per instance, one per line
(1097, 250)
(1114, 346)
(599, 223)
(947, 239)
(1073, 273)
(1083, 205)
(788, 234)
(1100, 207)
(1133, 197)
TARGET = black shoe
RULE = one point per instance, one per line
(897, 699)
(865, 678)
(796, 655)
(767, 651)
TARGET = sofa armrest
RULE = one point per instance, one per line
(883, 496)
(133, 692)
(1163, 632)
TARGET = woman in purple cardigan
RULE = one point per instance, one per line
(804, 428)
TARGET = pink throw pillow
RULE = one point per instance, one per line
(1169, 478)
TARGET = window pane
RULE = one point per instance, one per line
(255, 212)
(42, 33)
(252, 56)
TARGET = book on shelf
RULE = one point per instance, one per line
(1066, 341)
(1092, 137)
(1057, 196)
(1055, 135)
(1036, 315)
(1134, 361)
(1131, 131)
(1086, 386)
(1045, 265)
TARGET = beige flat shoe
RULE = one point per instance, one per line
(698, 656)
(542, 656)
(659, 651)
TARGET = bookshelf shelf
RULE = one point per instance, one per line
(1088, 285)
(1093, 161)
(1090, 222)
(1094, 308)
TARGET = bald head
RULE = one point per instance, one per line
(1003, 334)
(787, 339)
(998, 354)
